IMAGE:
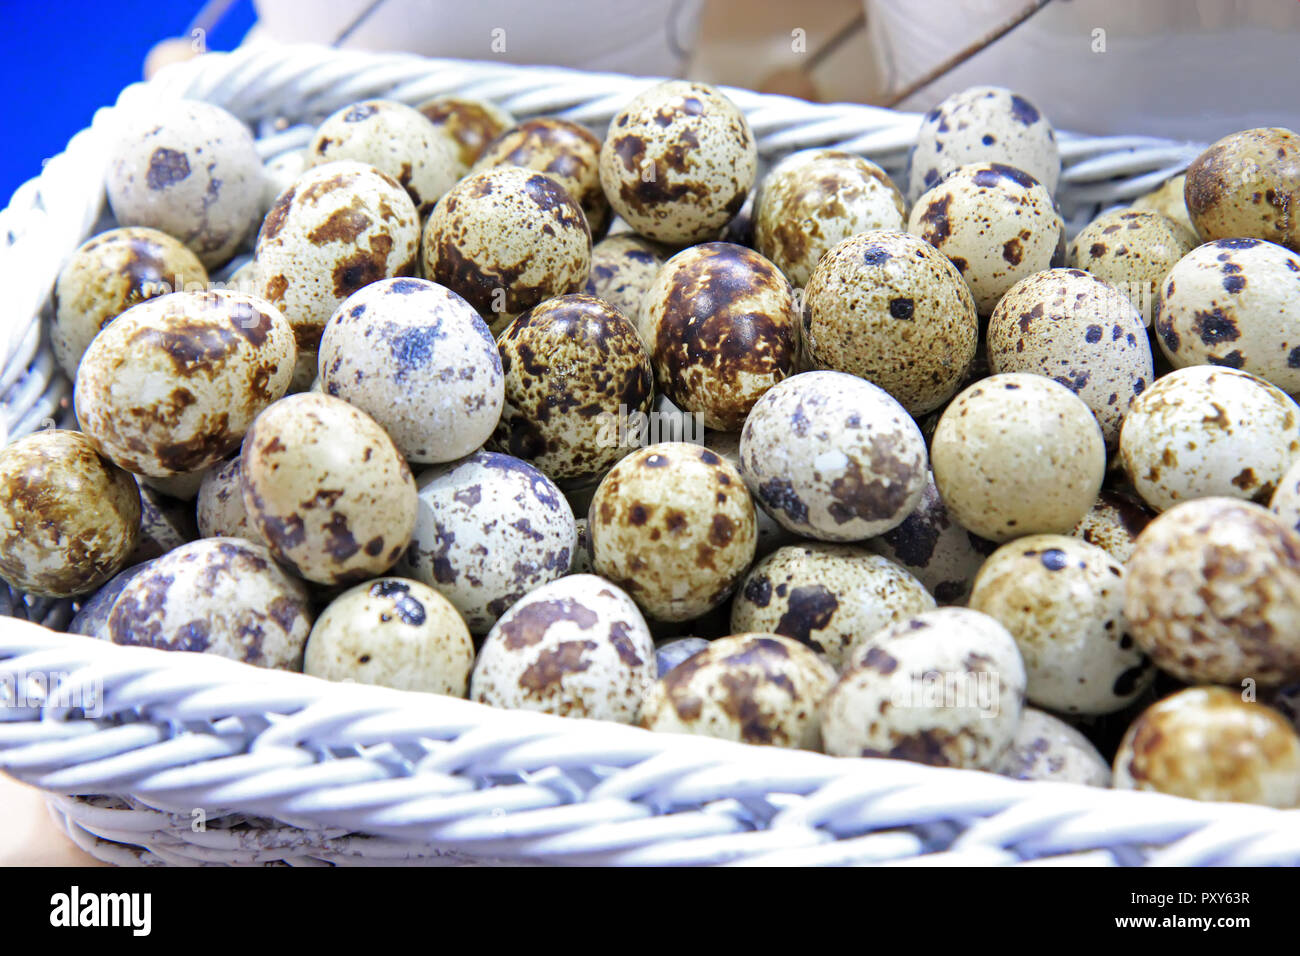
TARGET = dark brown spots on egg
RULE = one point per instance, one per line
(553, 664)
(808, 608)
(721, 531)
(936, 229)
(1214, 327)
(1012, 251)
(530, 622)
(166, 168)
(343, 225)
(362, 267)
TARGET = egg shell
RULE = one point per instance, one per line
(753, 688)
(394, 633)
(944, 688)
(1168, 200)
(1070, 326)
(1062, 599)
(623, 268)
(68, 517)
(91, 619)
(182, 487)
(472, 124)
(1205, 430)
(1206, 743)
(1113, 524)
(771, 534)
(326, 489)
(338, 227)
(171, 385)
(832, 457)
(678, 162)
(490, 529)
(420, 361)
(814, 199)
(165, 524)
(192, 172)
(670, 653)
(107, 275)
(278, 174)
(223, 596)
(507, 239)
(574, 367)
(220, 504)
(934, 548)
(825, 596)
(1213, 593)
(888, 307)
(1235, 303)
(1247, 185)
(397, 140)
(997, 225)
(1047, 748)
(566, 151)
(576, 647)
(673, 525)
(988, 124)
(722, 327)
(1133, 250)
(1018, 454)
(1285, 502)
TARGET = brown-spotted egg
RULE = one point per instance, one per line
(220, 507)
(1133, 250)
(623, 268)
(1113, 524)
(472, 124)
(1047, 748)
(1247, 185)
(1167, 200)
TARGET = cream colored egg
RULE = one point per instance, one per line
(1168, 200)
(220, 504)
(623, 268)
(1113, 524)
(1047, 748)
(472, 124)
(1245, 185)
(1133, 250)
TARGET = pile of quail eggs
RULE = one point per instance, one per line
(959, 492)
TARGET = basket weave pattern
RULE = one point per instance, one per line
(192, 759)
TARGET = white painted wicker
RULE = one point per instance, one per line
(194, 759)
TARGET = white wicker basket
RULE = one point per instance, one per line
(194, 759)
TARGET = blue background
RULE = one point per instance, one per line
(64, 60)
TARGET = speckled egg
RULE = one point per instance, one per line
(1168, 201)
(507, 239)
(754, 688)
(1070, 326)
(825, 596)
(339, 227)
(419, 360)
(1047, 748)
(394, 633)
(1236, 303)
(623, 268)
(326, 488)
(194, 174)
(490, 529)
(722, 327)
(472, 124)
(220, 504)
(1247, 184)
(983, 124)
(995, 223)
(670, 653)
(1113, 524)
(397, 140)
(165, 524)
(170, 386)
(1206, 743)
(678, 162)
(1018, 454)
(934, 548)
(91, 619)
(833, 457)
(223, 596)
(673, 525)
(771, 534)
(279, 173)
(814, 199)
(1213, 593)
(569, 153)
(888, 307)
(576, 647)
(944, 688)
(1133, 250)
(106, 276)
(68, 517)
(1206, 430)
(573, 365)
(1062, 599)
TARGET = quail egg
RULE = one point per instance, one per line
(1168, 200)
(1113, 524)
(1247, 185)
(490, 529)
(754, 688)
(623, 268)
(420, 361)
(1047, 748)
(327, 490)
(833, 457)
(170, 386)
(678, 162)
(771, 534)
(576, 647)
(91, 619)
(1018, 454)
(165, 524)
(220, 504)
(888, 307)
(1132, 250)
(472, 124)
(670, 653)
